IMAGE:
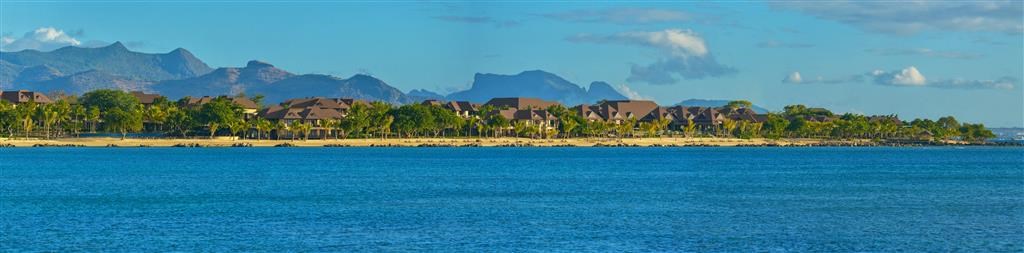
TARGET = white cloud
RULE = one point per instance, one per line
(793, 78)
(622, 16)
(478, 20)
(1004, 83)
(678, 41)
(909, 76)
(778, 44)
(42, 39)
(687, 57)
(914, 16)
(797, 78)
(630, 92)
(924, 52)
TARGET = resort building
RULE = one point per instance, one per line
(618, 111)
(742, 114)
(145, 99)
(248, 106)
(23, 96)
(530, 110)
(464, 109)
(520, 103)
(316, 112)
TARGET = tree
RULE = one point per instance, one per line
(950, 126)
(8, 118)
(156, 115)
(661, 124)
(78, 114)
(379, 114)
(775, 126)
(356, 121)
(749, 129)
(568, 126)
(305, 128)
(331, 125)
(413, 118)
(258, 99)
(975, 132)
(728, 126)
(123, 121)
(180, 120)
(690, 129)
(106, 100)
(445, 119)
(295, 127)
(798, 127)
(63, 111)
(626, 127)
(520, 128)
(262, 126)
(219, 112)
(496, 123)
(25, 112)
(471, 123)
(794, 110)
(281, 127)
(93, 116)
(736, 104)
(48, 116)
(236, 127)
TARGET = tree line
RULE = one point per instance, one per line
(118, 112)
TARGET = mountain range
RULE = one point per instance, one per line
(109, 63)
(178, 74)
(537, 84)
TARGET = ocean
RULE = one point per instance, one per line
(928, 199)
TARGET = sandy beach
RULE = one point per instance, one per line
(415, 142)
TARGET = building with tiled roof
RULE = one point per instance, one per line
(23, 96)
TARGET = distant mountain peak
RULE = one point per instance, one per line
(424, 94)
(116, 46)
(532, 83)
(184, 53)
(258, 64)
(600, 85)
(364, 77)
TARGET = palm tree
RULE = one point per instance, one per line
(520, 128)
(385, 126)
(237, 127)
(330, 125)
(213, 128)
(662, 124)
(305, 128)
(78, 115)
(93, 116)
(728, 126)
(626, 127)
(568, 126)
(280, 126)
(471, 124)
(48, 116)
(156, 115)
(295, 127)
(262, 126)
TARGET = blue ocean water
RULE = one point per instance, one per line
(512, 199)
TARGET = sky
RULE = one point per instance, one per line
(922, 59)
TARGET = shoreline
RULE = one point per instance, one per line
(459, 142)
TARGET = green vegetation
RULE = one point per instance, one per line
(120, 113)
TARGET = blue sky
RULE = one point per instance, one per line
(923, 59)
